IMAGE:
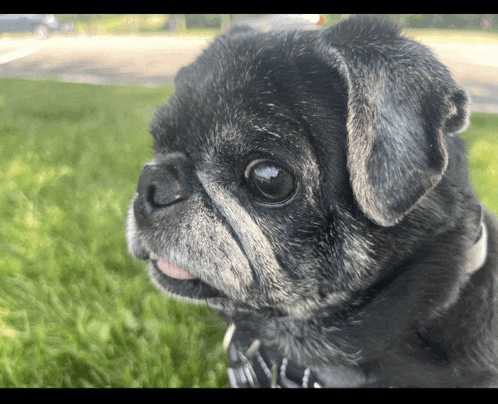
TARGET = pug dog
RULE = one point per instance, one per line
(311, 186)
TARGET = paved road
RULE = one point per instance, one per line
(149, 61)
(154, 60)
(475, 67)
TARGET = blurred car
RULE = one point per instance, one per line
(41, 25)
(274, 22)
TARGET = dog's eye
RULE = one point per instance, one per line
(269, 181)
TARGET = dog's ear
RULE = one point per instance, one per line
(402, 103)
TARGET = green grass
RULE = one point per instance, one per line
(76, 310)
(482, 143)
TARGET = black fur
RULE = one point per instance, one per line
(366, 266)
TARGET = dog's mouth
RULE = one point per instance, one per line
(170, 269)
(180, 283)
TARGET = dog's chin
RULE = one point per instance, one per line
(188, 288)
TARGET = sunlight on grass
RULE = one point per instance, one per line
(5, 330)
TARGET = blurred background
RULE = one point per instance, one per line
(77, 92)
(148, 49)
(145, 23)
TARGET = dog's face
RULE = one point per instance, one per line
(290, 168)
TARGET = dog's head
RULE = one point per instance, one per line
(288, 164)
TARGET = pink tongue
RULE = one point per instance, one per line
(173, 270)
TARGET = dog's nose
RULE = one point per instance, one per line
(160, 186)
